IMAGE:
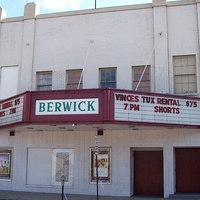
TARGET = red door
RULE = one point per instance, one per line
(148, 173)
(187, 170)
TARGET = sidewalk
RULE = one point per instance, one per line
(10, 195)
(14, 195)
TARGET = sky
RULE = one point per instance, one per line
(15, 8)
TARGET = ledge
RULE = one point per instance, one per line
(156, 3)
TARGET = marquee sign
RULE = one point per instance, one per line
(156, 109)
(11, 111)
(99, 106)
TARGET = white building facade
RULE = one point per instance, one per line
(152, 48)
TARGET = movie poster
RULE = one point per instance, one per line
(63, 162)
(5, 163)
(102, 163)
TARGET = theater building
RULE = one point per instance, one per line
(120, 84)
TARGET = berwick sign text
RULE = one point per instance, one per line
(67, 106)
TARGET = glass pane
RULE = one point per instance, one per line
(178, 88)
(112, 85)
(103, 85)
(103, 76)
(177, 70)
(185, 88)
(184, 70)
(191, 69)
(107, 76)
(184, 79)
(192, 78)
(192, 88)
(178, 79)
(191, 60)
(184, 61)
(177, 61)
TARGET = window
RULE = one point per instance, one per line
(9, 81)
(108, 78)
(73, 78)
(44, 80)
(184, 74)
(60, 162)
(139, 73)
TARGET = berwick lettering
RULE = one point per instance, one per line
(66, 106)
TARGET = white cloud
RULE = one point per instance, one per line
(58, 5)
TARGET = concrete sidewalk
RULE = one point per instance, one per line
(14, 195)
(11, 195)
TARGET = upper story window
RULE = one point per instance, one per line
(44, 80)
(185, 74)
(8, 81)
(108, 78)
(74, 79)
(141, 78)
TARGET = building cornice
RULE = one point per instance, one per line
(29, 12)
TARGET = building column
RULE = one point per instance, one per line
(28, 47)
(198, 31)
(161, 68)
(2, 13)
(168, 163)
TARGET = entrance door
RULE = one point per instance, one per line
(187, 170)
(148, 173)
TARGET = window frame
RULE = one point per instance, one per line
(108, 82)
(74, 83)
(43, 86)
(187, 74)
(142, 89)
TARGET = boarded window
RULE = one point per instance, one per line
(141, 78)
(74, 79)
(44, 80)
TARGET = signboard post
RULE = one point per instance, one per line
(96, 153)
(63, 183)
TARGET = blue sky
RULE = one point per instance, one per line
(15, 8)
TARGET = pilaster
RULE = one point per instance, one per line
(161, 70)
(28, 47)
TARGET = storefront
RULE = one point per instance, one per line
(141, 139)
